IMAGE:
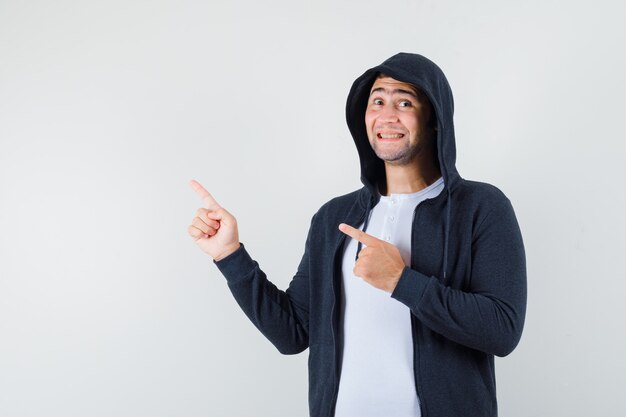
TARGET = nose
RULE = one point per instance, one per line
(388, 114)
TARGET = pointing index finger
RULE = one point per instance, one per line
(206, 197)
(359, 235)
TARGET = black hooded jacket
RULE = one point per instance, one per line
(465, 287)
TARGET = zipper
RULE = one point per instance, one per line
(335, 322)
(414, 328)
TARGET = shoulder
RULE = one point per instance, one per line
(479, 194)
(478, 201)
(341, 203)
(486, 206)
(337, 208)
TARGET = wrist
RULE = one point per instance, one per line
(228, 251)
(396, 279)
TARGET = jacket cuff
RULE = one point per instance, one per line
(236, 266)
(410, 287)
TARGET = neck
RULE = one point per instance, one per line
(411, 177)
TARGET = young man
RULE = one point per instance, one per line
(409, 286)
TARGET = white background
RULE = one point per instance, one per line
(108, 108)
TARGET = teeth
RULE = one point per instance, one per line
(394, 136)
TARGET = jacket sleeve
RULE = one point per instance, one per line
(281, 316)
(490, 316)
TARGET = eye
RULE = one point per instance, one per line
(405, 103)
(377, 102)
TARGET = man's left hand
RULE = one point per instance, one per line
(379, 263)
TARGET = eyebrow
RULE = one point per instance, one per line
(394, 91)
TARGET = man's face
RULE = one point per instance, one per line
(395, 120)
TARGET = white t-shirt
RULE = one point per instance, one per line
(377, 377)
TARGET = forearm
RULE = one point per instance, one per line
(481, 321)
(269, 308)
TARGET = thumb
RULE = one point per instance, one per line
(219, 214)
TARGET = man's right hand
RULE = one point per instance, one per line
(214, 229)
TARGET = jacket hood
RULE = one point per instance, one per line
(426, 76)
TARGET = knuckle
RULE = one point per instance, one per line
(199, 224)
(225, 214)
(193, 232)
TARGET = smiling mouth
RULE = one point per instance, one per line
(389, 136)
